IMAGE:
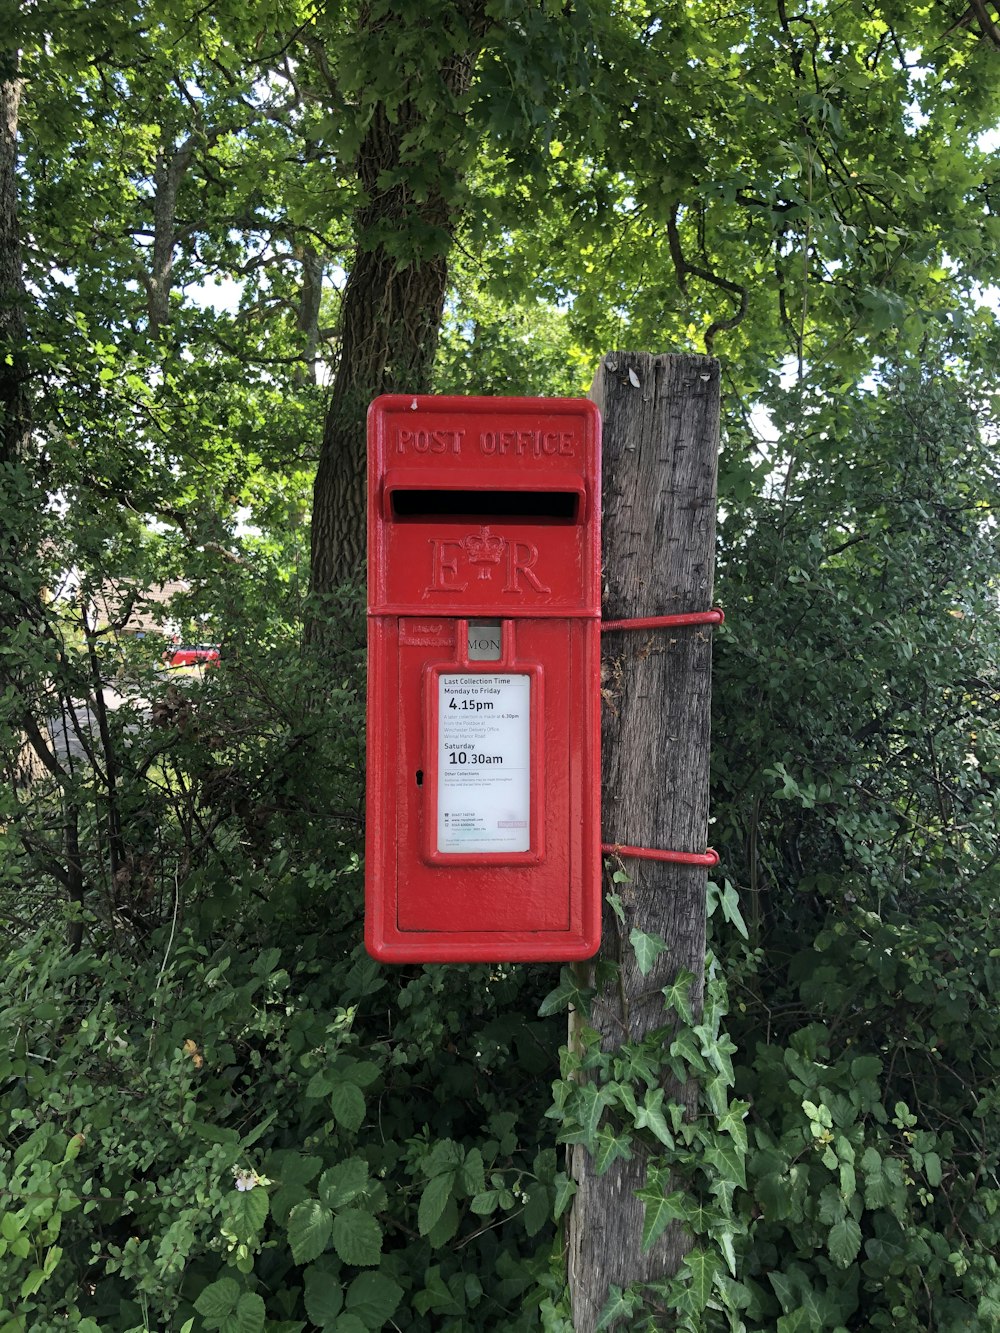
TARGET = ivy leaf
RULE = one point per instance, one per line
(844, 1242)
(650, 1116)
(678, 996)
(309, 1227)
(702, 1266)
(619, 1305)
(565, 1189)
(728, 1161)
(610, 1147)
(567, 993)
(588, 1107)
(660, 1211)
(648, 948)
(357, 1238)
(798, 1321)
(731, 1122)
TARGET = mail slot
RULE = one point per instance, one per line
(483, 770)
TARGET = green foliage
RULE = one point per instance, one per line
(856, 812)
(172, 1148)
(215, 1112)
(625, 1103)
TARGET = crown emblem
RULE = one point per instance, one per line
(484, 548)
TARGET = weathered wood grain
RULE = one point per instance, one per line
(660, 430)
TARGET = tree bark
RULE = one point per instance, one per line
(392, 304)
(660, 433)
(168, 175)
(307, 320)
(15, 420)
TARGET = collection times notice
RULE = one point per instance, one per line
(484, 763)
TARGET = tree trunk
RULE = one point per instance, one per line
(393, 301)
(168, 176)
(389, 332)
(14, 413)
(660, 432)
(307, 319)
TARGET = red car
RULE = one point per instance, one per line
(199, 654)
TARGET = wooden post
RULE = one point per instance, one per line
(660, 431)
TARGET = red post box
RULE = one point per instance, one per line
(483, 785)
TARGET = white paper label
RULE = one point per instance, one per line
(484, 763)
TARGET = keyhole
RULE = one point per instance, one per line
(420, 777)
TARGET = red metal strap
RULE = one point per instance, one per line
(716, 616)
(709, 857)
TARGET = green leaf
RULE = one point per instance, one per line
(362, 1073)
(567, 993)
(324, 1296)
(472, 1173)
(932, 1169)
(588, 1106)
(32, 1283)
(343, 1182)
(447, 1224)
(438, 1295)
(295, 1169)
(309, 1227)
(350, 1323)
(245, 1212)
(844, 1242)
(485, 1204)
(730, 900)
(374, 1298)
(650, 1116)
(648, 948)
(347, 1102)
(798, 1321)
(357, 1238)
(619, 1305)
(218, 1300)
(248, 1317)
(660, 1211)
(731, 1122)
(537, 1210)
(678, 996)
(865, 1066)
(610, 1147)
(565, 1189)
(728, 1161)
(702, 1266)
(435, 1195)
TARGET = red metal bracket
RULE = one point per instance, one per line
(716, 616)
(709, 857)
